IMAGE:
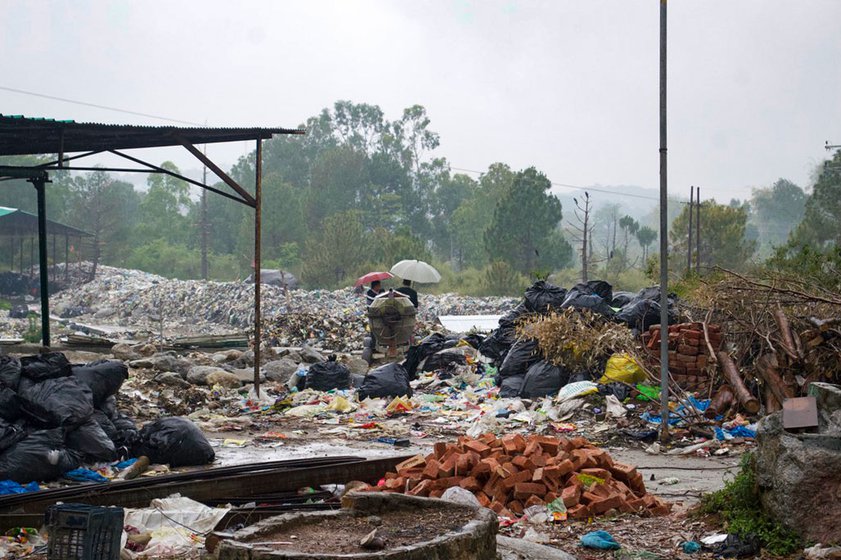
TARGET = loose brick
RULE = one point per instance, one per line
(580, 511)
(532, 447)
(514, 444)
(571, 496)
(516, 507)
(431, 470)
(604, 504)
(522, 476)
(601, 457)
(534, 501)
(422, 489)
(565, 467)
(411, 463)
(471, 484)
(551, 497)
(538, 460)
(522, 490)
(477, 447)
(604, 474)
(463, 464)
(579, 442)
(549, 444)
(483, 499)
(436, 493)
(439, 449)
(520, 461)
(487, 438)
(497, 507)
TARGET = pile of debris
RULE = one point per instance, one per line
(56, 416)
(512, 473)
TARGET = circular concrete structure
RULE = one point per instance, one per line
(472, 538)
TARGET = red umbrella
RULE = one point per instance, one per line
(371, 276)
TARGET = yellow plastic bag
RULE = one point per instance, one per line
(623, 368)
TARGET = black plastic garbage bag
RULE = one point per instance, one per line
(735, 546)
(104, 378)
(619, 390)
(390, 380)
(621, 299)
(543, 379)
(106, 424)
(428, 346)
(176, 441)
(127, 433)
(57, 402)
(325, 376)
(642, 314)
(510, 387)
(9, 372)
(9, 405)
(595, 303)
(510, 319)
(522, 355)
(444, 359)
(91, 442)
(596, 288)
(543, 296)
(109, 407)
(474, 339)
(498, 343)
(45, 366)
(40, 456)
(10, 434)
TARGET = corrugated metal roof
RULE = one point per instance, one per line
(17, 222)
(20, 135)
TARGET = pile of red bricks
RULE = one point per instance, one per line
(688, 353)
(512, 473)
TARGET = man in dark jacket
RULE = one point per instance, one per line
(375, 290)
(407, 289)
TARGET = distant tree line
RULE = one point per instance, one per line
(359, 192)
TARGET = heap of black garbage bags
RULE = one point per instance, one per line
(56, 416)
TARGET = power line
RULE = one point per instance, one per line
(86, 104)
(577, 187)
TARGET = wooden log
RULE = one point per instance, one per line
(723, 401)
(771, 403)
(766, 367)
(731, 375)
(787, 342)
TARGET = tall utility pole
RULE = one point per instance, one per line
(205, 227)
(698, 230)
(664, 239)
(689, 244)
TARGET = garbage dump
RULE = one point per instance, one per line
(59, 416)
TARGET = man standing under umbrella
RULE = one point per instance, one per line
(407, 289)
(375, 290)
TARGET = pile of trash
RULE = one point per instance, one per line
(332, 319)
(56, 416)
(512, 474)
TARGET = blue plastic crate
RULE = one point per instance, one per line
(83, 532)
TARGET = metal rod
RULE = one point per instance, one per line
(40, 183)
(689, 244)
(698, 230)
(176, 175)
(258, 191)
(664, 239)
(66, 255)
(250, 200)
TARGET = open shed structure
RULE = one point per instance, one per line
(70, 141)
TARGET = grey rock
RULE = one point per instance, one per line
(198, 375)
(797, 475)
(105, 313)
(279, 370)
(295, 356)
(247, 375)
(311, 355)
(125, 352)
(228, 356)
(356, 365)
(518, 549)
(172, 379)
(828, 399)
(223, 378)
(163, 362)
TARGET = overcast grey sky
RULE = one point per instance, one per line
(567, 86)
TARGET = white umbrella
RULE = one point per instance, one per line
(416, 271)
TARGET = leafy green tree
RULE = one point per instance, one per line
(164, 208)
(525, 218)
(337, 252)
(645, 237)
(723, 240)
(107, 209)
(822, 212)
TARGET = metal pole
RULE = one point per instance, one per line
(40, 183)
(258, 188)
(689, 244)
(66, 255)
(664, 240)
(698, 230)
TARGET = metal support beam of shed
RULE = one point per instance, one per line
(40, 181)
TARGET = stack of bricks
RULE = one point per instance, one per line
(688, 353)
(512, 473)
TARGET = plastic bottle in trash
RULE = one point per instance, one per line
(296, 380)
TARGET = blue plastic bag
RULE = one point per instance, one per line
(84, 475)
(601, 540)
